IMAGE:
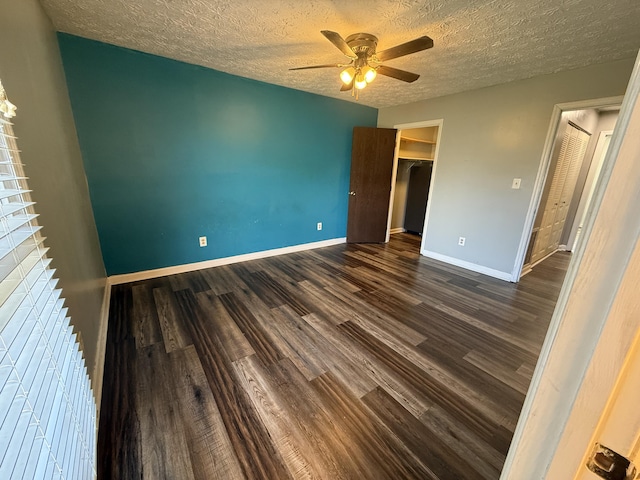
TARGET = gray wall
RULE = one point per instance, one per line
(31, 71)
(400, 194)
(490, 136)
(607, 121)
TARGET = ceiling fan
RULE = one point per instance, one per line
(366, 63)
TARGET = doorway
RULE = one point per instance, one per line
(602, 147)
(413, 177)
(572, 166)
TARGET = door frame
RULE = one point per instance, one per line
(595, 169)
(543, 171)
(404, 126)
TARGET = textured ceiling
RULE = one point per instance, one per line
(477, 42)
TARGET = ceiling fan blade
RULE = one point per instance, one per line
(397, 74)
(328, 65)
(346, 88)
(408, 48)
(339, 42)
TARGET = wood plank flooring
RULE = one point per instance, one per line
(347, 362)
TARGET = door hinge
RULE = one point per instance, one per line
(610, 465)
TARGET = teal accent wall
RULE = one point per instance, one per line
(173, 151)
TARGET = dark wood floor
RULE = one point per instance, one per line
(354, 362)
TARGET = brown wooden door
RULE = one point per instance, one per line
(370, 186)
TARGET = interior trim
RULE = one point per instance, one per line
(474, 267)
(98, 369)
(189, 267)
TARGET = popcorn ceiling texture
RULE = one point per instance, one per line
(477, 43)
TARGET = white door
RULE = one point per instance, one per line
(563, 183)
(619, 427)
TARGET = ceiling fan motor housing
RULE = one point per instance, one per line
(363, 45)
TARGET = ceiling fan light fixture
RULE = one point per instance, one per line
(347, 75)
(365, 63)
(369, 73)
(360, 81)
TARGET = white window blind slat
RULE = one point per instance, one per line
(17, 242)
(33, 284)
(28, 363)
(15, 238)
(5, 177)
(25, 431)
(40, 467)
(41, 384)
(11, 346)
(11, 459)
(27, 249)
(17, 356)
(63, 420)
(9, 398)
(7, 149)
(14, 207)
(14, 222)
(47, 411)
(72, 458)
(34, 455)
(51, 327)
(15, 399)
(44, 403)
(12, 192)
(17, 332)
(57, 405)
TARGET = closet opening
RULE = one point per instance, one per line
(414, 175)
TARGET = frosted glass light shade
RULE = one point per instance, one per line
(347, 75)
(369, 74)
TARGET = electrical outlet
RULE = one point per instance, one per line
(516, 183)
(203, 241)
(319, 226)
(461, 241)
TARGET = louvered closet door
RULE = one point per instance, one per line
(578, 142)
(574, 145)
(551, 207)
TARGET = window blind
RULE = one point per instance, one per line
(47, 409)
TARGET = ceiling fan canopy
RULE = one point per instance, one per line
(366, 63)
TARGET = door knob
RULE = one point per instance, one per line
(352, 193)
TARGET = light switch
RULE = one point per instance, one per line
(516, 183)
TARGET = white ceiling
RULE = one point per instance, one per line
(477, 42)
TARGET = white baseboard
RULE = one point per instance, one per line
(189, 267)
(98, 369)
(397, 230)
(526, 269)
(474, 267)
(541, 260)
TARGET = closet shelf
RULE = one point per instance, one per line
(412, 157)
(417, 140)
